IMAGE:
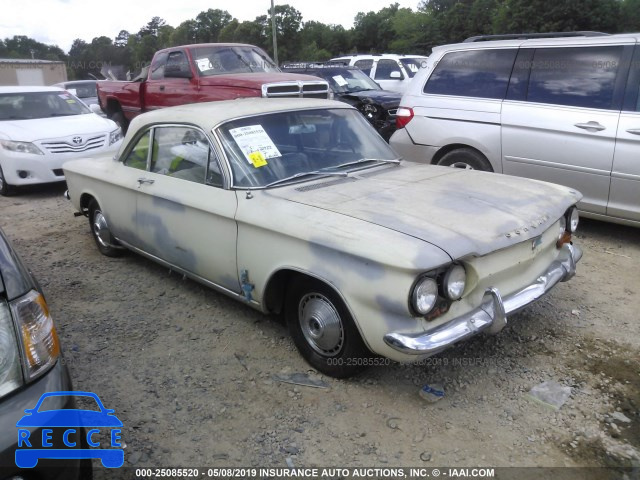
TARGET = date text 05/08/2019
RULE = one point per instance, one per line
(315, 473)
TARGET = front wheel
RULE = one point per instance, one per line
(323, 330)
(467, 159)
(105, 241)
(121, 121)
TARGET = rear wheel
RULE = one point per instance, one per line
(466, 158)
(105, 241)
(5, 188)
(322, 329)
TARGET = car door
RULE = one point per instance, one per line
(560, 118)
(171, 85)
(624, 199)
(119, 202)
(184, 215)
(388, 74)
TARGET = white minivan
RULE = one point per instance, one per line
(562, 109)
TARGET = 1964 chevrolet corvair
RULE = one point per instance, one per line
(299, 206)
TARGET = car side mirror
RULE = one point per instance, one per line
(177, 71)
(396, 75)
(95, 108)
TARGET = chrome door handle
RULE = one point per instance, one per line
(634, 131)
(144, 180)
(591, 126)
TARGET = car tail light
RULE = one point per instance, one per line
(403, 117)
(40, 345)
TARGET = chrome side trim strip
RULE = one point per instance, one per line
(193, 276)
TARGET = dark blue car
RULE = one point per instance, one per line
(69, 425)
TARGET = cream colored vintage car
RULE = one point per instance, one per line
(299, 206)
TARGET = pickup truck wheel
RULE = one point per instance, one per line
(466, 158)
(322, 329)
(101, 234)
(121, 121)
(5, 188)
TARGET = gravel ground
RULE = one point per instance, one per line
(195, 376)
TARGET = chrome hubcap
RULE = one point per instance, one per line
(321, 324)
(462, 165)
(101, 229)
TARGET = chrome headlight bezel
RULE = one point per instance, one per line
(454, 282)
(424, 295)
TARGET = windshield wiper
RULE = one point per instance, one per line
(364, 160)
(56, 114)
(304, 174)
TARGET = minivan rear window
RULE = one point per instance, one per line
(577, 76)
(473, 73)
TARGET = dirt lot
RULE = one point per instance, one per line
(192, 374)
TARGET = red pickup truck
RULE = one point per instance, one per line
(204, 73)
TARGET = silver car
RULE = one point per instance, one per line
(564, 110)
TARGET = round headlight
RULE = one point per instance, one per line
(573, 218)
(424, 296)
(454, 282)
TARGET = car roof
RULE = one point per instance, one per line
(210, 114)
(207, 45)
(74, 82)
(23, 89)
(367, 56)
(550, 41)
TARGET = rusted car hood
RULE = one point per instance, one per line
(463, 212)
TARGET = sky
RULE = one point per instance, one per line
(59, 22)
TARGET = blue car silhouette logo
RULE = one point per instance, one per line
(64, 429)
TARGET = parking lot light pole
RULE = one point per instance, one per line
(273, 33)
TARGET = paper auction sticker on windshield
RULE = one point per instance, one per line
(340, 80)
(255, 143)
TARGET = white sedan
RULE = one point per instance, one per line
(299, 206)
(43, 127)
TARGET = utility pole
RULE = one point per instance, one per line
(273, 33)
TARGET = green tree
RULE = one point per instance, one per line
(374, 31)
(629, 16)
(121, 39)
(288, 26)
(185, 33)
(518, 16)
(21, 46)
(210, 24)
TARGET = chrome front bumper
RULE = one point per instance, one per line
(491, 315)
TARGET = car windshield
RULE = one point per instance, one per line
(32, 105)
(220, 60)
(275, 148)
(347, 81)
(83, 402)
(412, 65)
(83, 89)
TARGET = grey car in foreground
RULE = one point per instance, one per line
(31, 364)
